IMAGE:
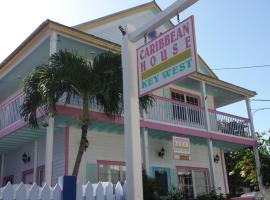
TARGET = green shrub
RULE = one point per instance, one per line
(175, 194)
(213, 196)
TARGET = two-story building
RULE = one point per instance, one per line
(186, 109)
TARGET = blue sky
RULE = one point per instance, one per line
(229, 33)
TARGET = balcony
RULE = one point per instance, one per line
(164, 110)
(185, 115)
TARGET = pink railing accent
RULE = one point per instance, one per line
(229, 124)
(175, 112)
(163, 110)
(9, 111)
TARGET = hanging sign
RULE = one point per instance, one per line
(181, 148)
(170, 57)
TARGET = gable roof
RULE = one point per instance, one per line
(91, 39)
(51, 25)
(150, 5)
(106, 19)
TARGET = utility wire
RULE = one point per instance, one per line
(260, 99)
(245, 67)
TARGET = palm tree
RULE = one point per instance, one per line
(68, 74)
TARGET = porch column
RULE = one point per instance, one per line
(49, 151)
(35, 162)
(50, 127)
(144, 134)
(255, 148)
(209, 141)
(224, 172)
(2, 168)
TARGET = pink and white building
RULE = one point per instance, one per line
(186, 109)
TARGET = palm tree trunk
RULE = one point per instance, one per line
(84, 142)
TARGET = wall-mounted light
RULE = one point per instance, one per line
(216, 158)
(25, 158)
(161, 153)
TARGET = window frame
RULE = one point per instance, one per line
(196, 169)
(31, 171)
(198, 97)
(27, 172)
(108, 162)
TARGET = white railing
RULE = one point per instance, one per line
(174, 112)
(100, 191)
(229, 124)
(163, 110)
(9, 112)
(183, 114)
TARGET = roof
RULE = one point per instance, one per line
(74, 32)
(51, 25)
(108, 18)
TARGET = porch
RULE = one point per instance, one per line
(163, 111)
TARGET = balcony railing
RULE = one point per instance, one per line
(9, 112)
(163, 110)
(187, 115)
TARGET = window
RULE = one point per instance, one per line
(192, 181)
(111, 171)
(182, 112)
(27, 176)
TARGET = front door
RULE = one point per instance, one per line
(162, 178)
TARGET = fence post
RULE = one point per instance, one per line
(118, 191)
(56, 193)
(8, 192)
(45, 193)
(99, 192)
(88, 191)
(33, 192)
(20, 192)
(109, 192)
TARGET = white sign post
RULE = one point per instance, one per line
(131, 108)
(170, 57)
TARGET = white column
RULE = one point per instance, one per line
(227, 190)
(53, 42)
(49, 151)
(35, 162)
(50, 127)
(2, 168)
(131, 119)
(209, 141)
(255, 148)
(144, 134)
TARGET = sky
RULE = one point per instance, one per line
(229, 33)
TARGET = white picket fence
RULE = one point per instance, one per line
(100, 191)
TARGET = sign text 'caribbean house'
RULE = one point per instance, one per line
(168, 58)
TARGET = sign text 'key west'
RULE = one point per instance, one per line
(168, 58)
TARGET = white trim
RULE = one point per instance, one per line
(255, 148)
(2, 168)
(131, 119)
(35, 161)
(49, 151)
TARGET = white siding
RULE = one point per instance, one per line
(105, 146)
(15, 166)
(102, 146)
(58, 154)
(111, 32)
